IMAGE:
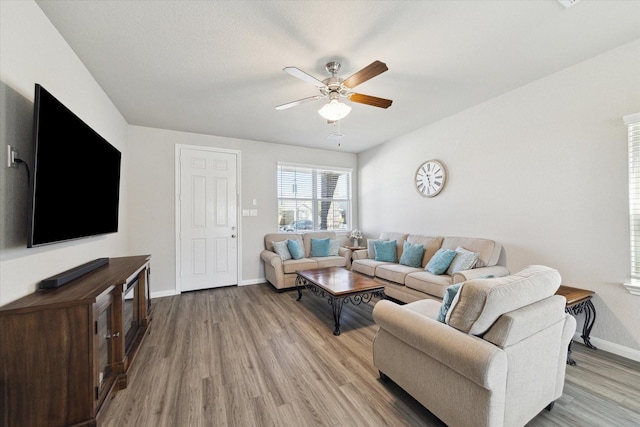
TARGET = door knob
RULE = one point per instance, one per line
(233, 236)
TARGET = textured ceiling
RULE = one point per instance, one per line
(215, 67)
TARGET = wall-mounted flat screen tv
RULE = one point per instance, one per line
(76, 180)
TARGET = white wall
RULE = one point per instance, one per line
(32, 51)
(152, 195)
(542, 170)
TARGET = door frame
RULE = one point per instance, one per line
(178, 265)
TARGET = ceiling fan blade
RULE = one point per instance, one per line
(371, 100)
(298, 102)
(296, 72)
(368, 72)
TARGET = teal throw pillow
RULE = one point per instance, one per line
(282, 250)
(334, 247)
(449, 294)
(440, 261)
(295, 249)
(464, 260)
(386, 250)
(320, 247)
(412, 255)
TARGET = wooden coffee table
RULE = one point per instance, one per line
(340, 286)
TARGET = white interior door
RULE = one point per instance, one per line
(208, 234)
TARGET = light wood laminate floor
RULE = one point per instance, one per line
(248, 356)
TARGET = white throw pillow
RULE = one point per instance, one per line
(464, 260)
(334, 247)
(282, 250)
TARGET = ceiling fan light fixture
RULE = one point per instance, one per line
(334, 110)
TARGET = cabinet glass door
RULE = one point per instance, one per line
(104, 337)
(131, 314)
(104, 346)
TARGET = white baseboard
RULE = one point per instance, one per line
(611, 347)
(171, 292)
(162, 294)
(253, 281)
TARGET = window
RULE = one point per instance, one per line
(313, 198)
(633, 123)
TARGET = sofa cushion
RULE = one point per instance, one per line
(320, 247)
(292, 265)
(488, 250)
(412, 254)
(395, 272)
(398, 237)
(386, 250)
(464, 260)
(331, 261)
(428, 283)
(425, 307)
(279, 237)
(513, 327)
(430, 244)
(480, 302)
(295, 249)
(367, 266)
(282, 250)
(439, 263)
(306, 239)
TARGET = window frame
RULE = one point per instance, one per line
(316, 199)
(632, 121)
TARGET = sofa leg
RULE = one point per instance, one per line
(383, 377)
(550, 406)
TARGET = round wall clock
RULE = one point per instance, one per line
(430, 178)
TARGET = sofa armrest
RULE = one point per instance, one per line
(346, 253)
(271, 258)
(360, 254)
(474, 273)
(470, 356)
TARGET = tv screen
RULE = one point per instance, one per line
(76, 183)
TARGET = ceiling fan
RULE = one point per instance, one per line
(335, 88)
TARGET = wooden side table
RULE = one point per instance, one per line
(578, 301)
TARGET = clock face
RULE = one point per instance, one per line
(430, 178)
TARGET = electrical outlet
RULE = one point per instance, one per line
(12, 154)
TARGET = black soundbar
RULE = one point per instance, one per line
(67, 276)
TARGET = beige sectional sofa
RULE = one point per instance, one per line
(497, 361)
(407, 284)
(282, 273)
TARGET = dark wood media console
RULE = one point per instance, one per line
(64, 352)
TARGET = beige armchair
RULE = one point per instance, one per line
(498, 361)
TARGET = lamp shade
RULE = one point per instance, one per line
(334, 110)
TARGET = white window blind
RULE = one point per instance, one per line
(313, 198)
(633, 124)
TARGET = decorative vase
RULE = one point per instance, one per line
(355, 243)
